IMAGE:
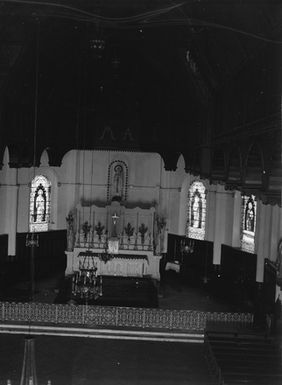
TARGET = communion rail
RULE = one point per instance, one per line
(119, 317)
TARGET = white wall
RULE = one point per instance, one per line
(83, 175)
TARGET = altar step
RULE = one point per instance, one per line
(118, 334)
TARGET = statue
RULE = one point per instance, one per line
(118, 182)
(70, 231)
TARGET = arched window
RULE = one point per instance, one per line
(39, 209)
(196, 221)
(248, 223)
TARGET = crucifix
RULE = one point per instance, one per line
(115, 217)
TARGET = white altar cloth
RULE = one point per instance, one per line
(137, 264)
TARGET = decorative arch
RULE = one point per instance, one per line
(196, 216)
(39, 209)
(248, 223)
(117, 184)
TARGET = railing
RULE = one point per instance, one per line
(212, 362)
(110, 316)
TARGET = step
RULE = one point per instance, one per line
(125, 334)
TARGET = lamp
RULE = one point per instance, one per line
(187, 246)
(86, 285)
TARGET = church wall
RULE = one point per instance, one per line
(268, 235)
(148, 182)
(211, 199)
(87, 174)
(223, 222)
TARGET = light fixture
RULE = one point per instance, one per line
(187, 246)
(86, 284)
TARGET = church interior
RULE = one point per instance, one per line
(140, 192)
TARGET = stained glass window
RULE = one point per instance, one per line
(196, 221)
(39, 209)
(248, 225)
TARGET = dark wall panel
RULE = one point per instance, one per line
(49, 256)
(3, 246)
(238, 276)
(197, 266)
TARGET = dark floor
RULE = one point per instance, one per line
(76, 361)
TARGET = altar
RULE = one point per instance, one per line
(117, 240)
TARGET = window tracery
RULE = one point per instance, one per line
(196, 220)
(39, 209)
(248, 223)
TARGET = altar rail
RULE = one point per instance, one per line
(110, 316)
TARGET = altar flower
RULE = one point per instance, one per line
(129, 230)
(99, 228)
(86, 229)
(142, 230)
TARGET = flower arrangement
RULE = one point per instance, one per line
(86, 229)
(142, 230)
(129, 231)
(99, 228)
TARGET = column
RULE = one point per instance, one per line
(261, 239)
(236, 228)
(219, 224)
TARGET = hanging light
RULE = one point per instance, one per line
(32, 239)
(86, 284)
(187, 246)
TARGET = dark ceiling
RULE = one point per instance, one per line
(197, 78)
